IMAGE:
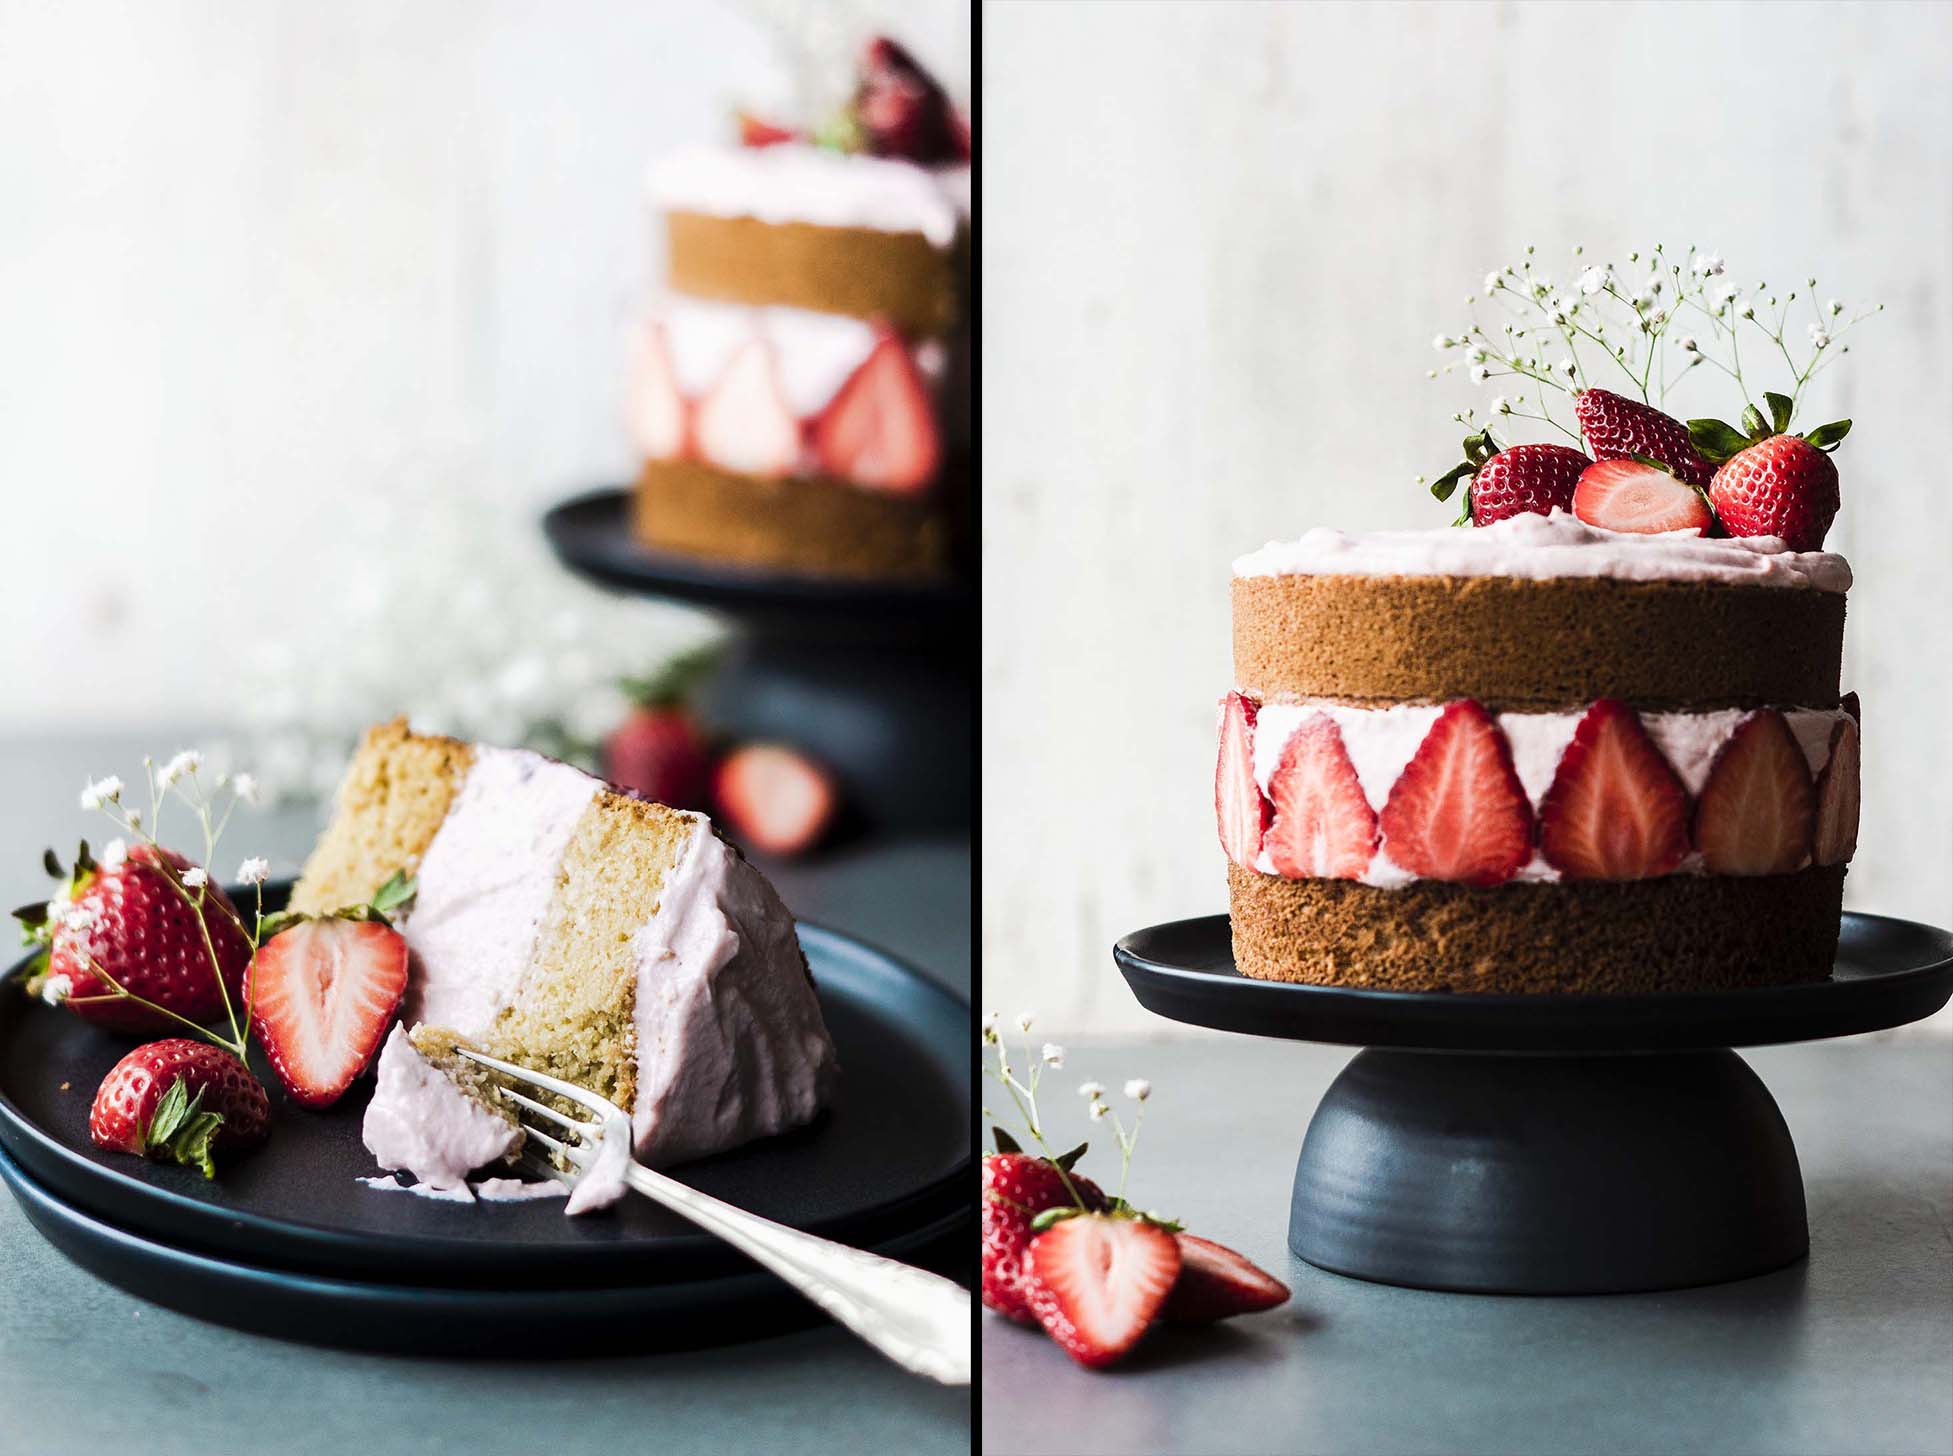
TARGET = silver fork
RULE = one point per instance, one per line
(919, 1320)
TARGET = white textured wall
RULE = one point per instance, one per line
(1217, 241)
(268, 266)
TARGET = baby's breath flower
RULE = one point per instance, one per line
(1747, 310)
(990, 1019)
(1500, 405)
(1834, 307)
(1480, 374)
(1099, 1110)
(1139, 1089)
(245, 786)
(1091, 1091)
(1476, 354)
(55, 989)
(102, 791)
(1493, 282)
(196, 877)
(1023, 1021)
(254, 870)
(115, 854)
(1567, 367)
(1818, 337)
(1688, 345)
(1443, 341)
(1053, 1054)
(1707, 265)
(1593, 280)
(186, 762)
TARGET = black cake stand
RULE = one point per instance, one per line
(874, 680)
(1546, 1144)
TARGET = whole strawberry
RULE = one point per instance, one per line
(1772, 483)
(1526, 478)
(1619, 428)
(1017, 1187)
(901, 111)
(659, 751)
(135, 919)
(179, 1101)
(1510, 482)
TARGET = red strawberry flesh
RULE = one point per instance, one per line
(1835, 836)
(1457, 811)
(1616, 810)
(1240, 807)
(1216, 1283)
(323, 994)
(1757, 809)
(775, 798)
(1323, 827)
(1097, 1282)
(1017, 1187)
(880, 430)
(1625, 495)
(1618, 428)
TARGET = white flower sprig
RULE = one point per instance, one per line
(181, 778)
(1023, 1093)
(1639, 328)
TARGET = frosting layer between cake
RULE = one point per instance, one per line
(794, 183)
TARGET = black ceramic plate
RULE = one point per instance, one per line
(1888, 972)
(893, 1155)
(480, 1320)
(591, 534)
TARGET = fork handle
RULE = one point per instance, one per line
(919, 1320)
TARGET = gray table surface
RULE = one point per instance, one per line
(1851, 1351)
(173, 1384)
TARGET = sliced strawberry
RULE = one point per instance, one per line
(1757, 809)
(1618, 428)
(744, 423)
(1216, 1283)
(1097, 1281)
(1836, 834)
(140, 1109)
(879, 430)
(1616, 810)
(1323, 828)
(1242, 810)
(775, 798)
(757, 131)
(1017, 1187)
(1625, 495)
(658, 415)
(323, 993)
(1458, 812)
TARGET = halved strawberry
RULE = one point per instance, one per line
(1323, 828)
(1097, 1281)
(323, 993)
(775, 798)
(879, 430)
(1017, 1187)
(1757, 809)
(659, 417)
(1216, 1283)
(744, 423)
(1625, 495)
(1616, 810)
(1240, 807)
(1619, 428)
(1836, 834)
(1457, 811)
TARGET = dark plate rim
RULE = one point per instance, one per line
(1463, 1011)
(316, 1246)
(617, 560)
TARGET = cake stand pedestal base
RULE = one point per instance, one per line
(1548, 1175)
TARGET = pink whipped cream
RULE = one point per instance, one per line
(421, 1122)
(793, 183)
(1538, 548)
(1381, 741)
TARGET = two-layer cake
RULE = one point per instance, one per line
(799, 396)
(1537, 756)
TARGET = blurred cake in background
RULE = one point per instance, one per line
(799, 391)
